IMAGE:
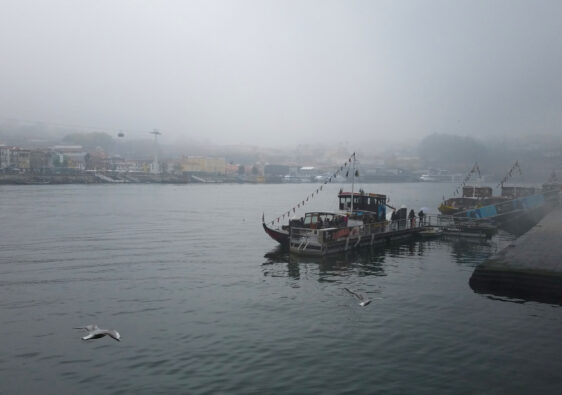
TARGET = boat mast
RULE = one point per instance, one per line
(353, 183)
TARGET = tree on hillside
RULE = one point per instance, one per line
(451, 151)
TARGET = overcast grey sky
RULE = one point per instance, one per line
(269, 72)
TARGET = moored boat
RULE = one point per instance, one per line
(360, 220)
(476, 197)
(520, 207)
(472, 197)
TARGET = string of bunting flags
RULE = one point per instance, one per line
(318, 190)
(509, 173)
(475, 169)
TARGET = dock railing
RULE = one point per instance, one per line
(360, 231)
(438, 221)
(363, 230)
(445, 221)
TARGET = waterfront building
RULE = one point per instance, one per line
(200, 164)
(5, 154)
(40, 161)
(20, 159)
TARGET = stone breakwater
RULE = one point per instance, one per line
(529, 268)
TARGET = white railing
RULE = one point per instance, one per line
(368, 229)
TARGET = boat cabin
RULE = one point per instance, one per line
(370, 202)
(476, 192)
(517, 192)
(320, 219)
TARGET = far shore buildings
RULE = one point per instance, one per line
(15, 158)
(21, 160)
(75, 158)
(203, 165)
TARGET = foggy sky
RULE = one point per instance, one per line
(283, 72)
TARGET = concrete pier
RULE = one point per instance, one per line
(529, 268)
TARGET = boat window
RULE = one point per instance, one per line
(345, 202)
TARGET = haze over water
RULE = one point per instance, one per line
(206, 304)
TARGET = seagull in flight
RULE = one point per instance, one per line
(95, 333)
(363, 301)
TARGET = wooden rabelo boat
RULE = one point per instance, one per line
(360, 220)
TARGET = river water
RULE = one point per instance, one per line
(205, 303)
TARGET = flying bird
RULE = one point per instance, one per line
(363, 301)
(95, 333)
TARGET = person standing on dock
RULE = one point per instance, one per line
(393, 218)
(421, 216)
(412, 217)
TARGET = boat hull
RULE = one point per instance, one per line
(278, 235)
(516, 215)
(448, 210)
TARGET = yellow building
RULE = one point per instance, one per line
(200, 164)
(21, 158)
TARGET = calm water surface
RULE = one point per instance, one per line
(205, 303)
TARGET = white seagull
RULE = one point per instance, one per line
(363, 301)
(95, 333)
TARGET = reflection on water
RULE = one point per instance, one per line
(362, 262)
(506, 299)
(370, 261)
(471, 252)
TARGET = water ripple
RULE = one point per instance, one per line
(201, 310)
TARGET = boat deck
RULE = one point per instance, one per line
(325, 241)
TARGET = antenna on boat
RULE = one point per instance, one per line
(510, 173)
(352, 182)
